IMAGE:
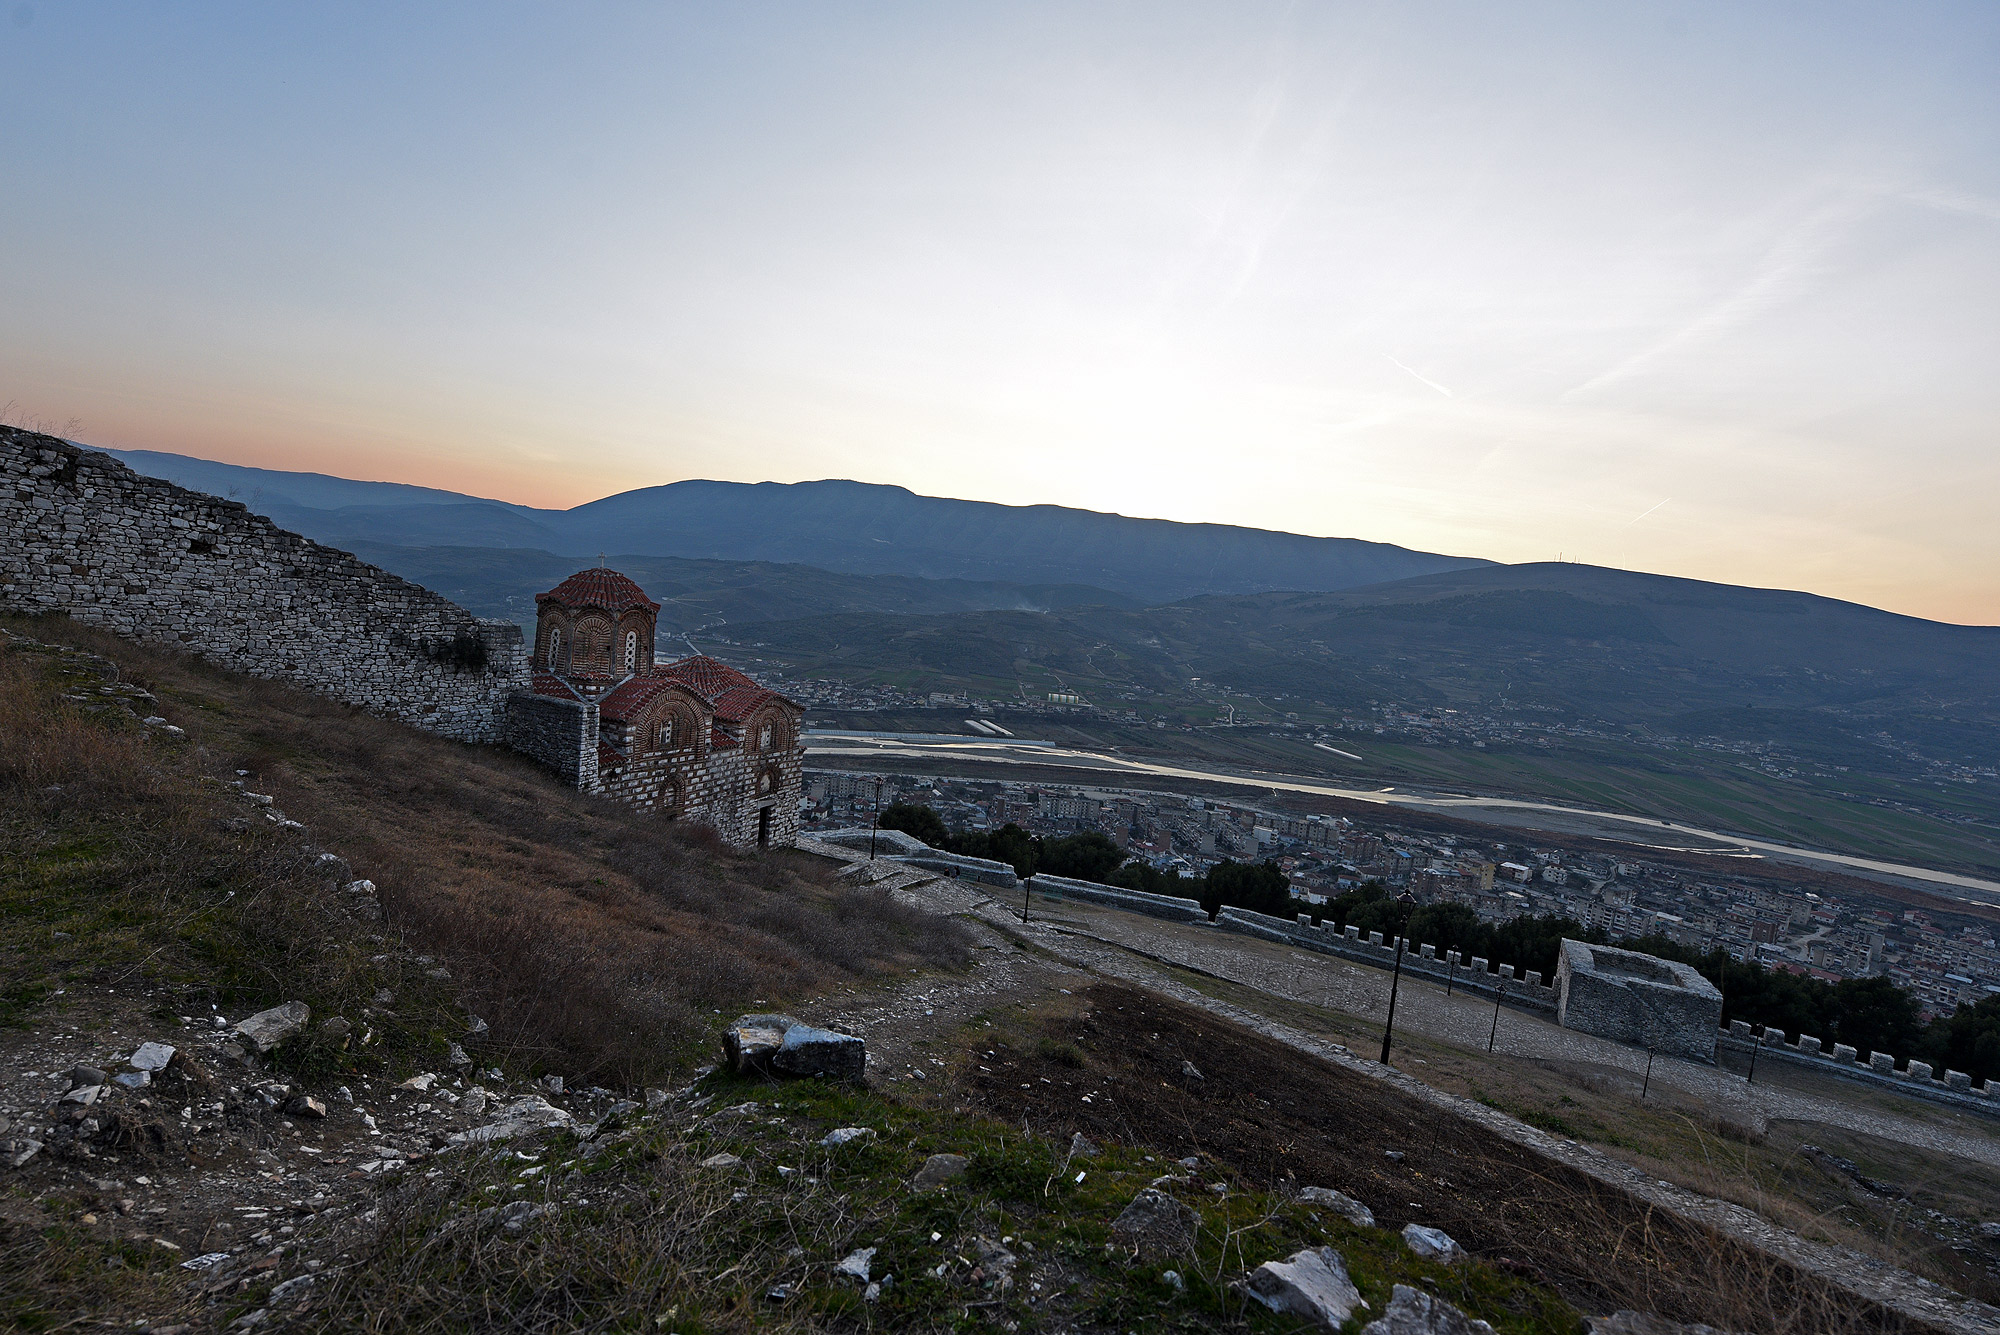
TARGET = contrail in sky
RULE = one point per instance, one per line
(1432, 383)
(1636, 518)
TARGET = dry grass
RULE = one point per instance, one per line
(594, 940)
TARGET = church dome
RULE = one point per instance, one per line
(601, 588)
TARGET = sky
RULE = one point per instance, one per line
(1702, 289)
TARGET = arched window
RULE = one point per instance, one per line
(763, 784)
(631, 650)
(764, 738)
(666, 733)
(555, 649)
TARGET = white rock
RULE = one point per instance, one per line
(721, 1161)
(846, 1135)
(1312, 1284)
(855, 1264)
(521, 1117)
(1433, 1244)
(150, 1057)
(421, 1083)
(267, 1029)
(1353, 1211)
(86, 1095)
(1412, 1312)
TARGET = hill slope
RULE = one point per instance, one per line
(855, 527)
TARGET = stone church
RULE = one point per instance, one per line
(692, 740)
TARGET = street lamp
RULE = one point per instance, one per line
(1396, 978)
(878, 820)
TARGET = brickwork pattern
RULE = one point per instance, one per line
(83, 534)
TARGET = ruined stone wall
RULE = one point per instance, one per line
(562, 734)
(1635, 998)
(83, 534)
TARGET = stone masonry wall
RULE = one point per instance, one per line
(562, 734)
(83, 534)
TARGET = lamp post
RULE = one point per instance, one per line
(877, 825)
(1499, 991)
(1396, 978)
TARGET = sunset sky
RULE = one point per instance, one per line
(1709, 290)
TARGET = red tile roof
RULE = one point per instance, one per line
(599, 587)
(546, 683)
(706, 676)
(633, 695)
(720, 740)
(739, 702)
(607, 758)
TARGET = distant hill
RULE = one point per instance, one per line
(853, 527)
(1672, 656)
(709, 595)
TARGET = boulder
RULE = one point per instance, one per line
(938, 1170)
(524, 1116)
(81, 1077)
(16, 1153)
(848, 1135)
(1414, 1312)
(1433, 1244)
(1311, 1284)
(1154, 1224)
(1082, 1146)
(150, 1057)
(266, 1029)
(1326, 1198)
(306, 1106)
(781, 1045)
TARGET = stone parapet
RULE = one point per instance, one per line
(1169, 907)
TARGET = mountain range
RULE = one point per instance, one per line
(850, 579)
(850, 527)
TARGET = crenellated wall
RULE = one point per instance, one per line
(83, 534)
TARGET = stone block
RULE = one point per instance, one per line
(1478, 964)
(1774, 1037)
(1882, 1062)
(1919, 1071)
(1637, 998)
(1353, 933)
(1739, 1029)
(1533, 978)
(1305, 920)
(1506, 971)
(1452, 957)
(1808, 1046)
(1959, 1081)
(1428, 952)
(1843, 1054)
(1374, 938)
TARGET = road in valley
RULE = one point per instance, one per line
(1640, 831)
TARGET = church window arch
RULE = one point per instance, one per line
(631, 650)
(555, 649)
(764, 736)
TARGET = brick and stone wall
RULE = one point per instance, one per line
(83, 534)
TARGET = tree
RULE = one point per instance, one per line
(1089, 856)
(916, 820)
(1261, 888)
(1969, 1041)
(1015, 846)
(1874, 1015)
